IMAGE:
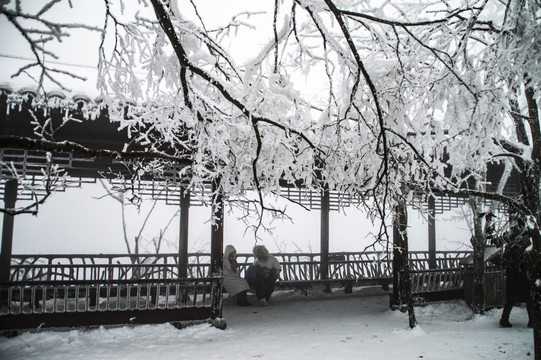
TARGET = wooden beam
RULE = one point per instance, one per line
(183, 233)
(10, 198)
(107, 317)
(431, 232)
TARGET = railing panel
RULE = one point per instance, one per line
(426, 281)
(295, 266)
(54, 297)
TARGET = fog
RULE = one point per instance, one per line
(87, 221)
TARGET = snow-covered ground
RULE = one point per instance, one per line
(294, 326)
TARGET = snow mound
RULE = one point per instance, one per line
(455, 310)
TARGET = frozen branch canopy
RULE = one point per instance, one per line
(360, 98)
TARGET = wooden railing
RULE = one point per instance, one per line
(94, 267)
(88, 296)
(83, 290)
(32, 304)
(295, 266)
(429, 281)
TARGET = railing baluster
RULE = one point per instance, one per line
(108, 297)
(21, 298)
(32, 299)
(118, 291)
(195, 285)
(128, 296)
(65, 289)
(54, 299)
(167, 293)
(76, 291)
(10, 299)
(181, 295)
(87, 298)
(204, 296)
(138, 302)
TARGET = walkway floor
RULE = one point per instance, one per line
(293, 326)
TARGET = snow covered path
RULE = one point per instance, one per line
(321, 327)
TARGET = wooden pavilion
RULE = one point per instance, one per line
(191, 286)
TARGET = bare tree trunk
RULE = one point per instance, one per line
(530, 188)
(531, 185)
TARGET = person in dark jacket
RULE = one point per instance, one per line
(263, 274)
(517, 286)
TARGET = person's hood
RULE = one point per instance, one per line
(228, 250)
(263, 248)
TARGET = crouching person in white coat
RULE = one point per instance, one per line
(233, 283)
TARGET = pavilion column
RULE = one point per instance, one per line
(432, 232)
(216, 248)
(400, 252)
(324, 236)
(217, 232)
(401, 275)
(183, 233)
(10, 198)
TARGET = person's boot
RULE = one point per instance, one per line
(242, 299)
(504, 319)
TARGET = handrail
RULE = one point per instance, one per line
(413, 254)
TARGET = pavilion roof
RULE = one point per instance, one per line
(21, 111)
